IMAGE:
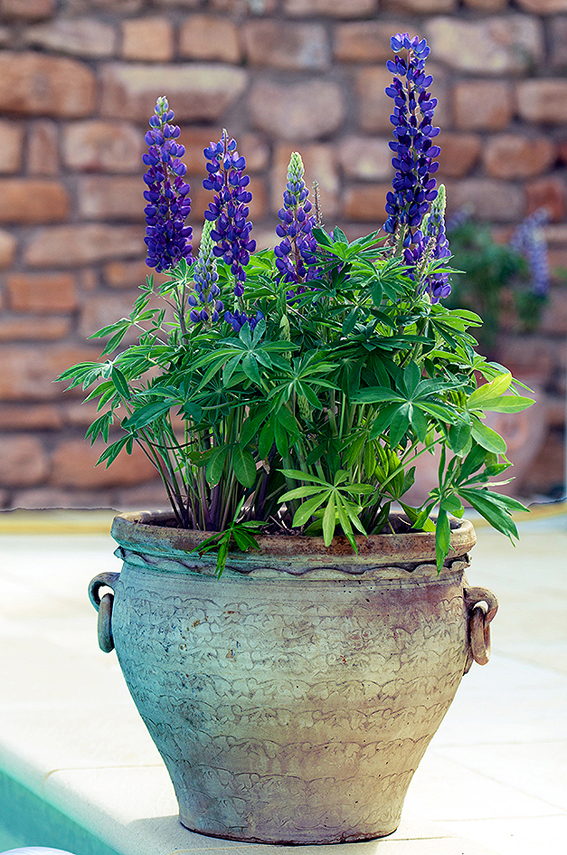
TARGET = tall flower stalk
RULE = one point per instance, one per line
(229, 209)
(295, 254)
(413, 187)
(167, 235)
(205, 303)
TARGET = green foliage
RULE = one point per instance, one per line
(314, 419)
(493, 278)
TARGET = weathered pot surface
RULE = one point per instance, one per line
(291, 700)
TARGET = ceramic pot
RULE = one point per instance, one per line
(292, 699)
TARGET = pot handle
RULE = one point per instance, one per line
(103, 605)
(481, 605)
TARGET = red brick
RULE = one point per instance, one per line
(374, 105)
(195, 139)
(366, 158)
(79, 413)
(517, 156)
(11, 144)
(37, 292)
(556, 234)
(238, 8)
(83, 244)
(106, 197)
(558, 43)
(555, 411)
(531, 356)
(497, 201)
(255, 150)
(200, 91)
(38, 85)
(363, 41)
(103, 146)
(543, 100)
(487, 5)
(73, 465)
(149, 39)
(366, 203)
(99, 312)
(546, 471)
(7, 249)
(22, 461)
(129, 274)
(34, 328)
(297, 111)
(27, 10)
(43, 157)
(509, 44)
(30, 417)
(554, 316)
(53, 497)
(420, 7)
(286, 45)
(82, 36)
(459, 154)
(209, 37)
(124, 7)
(332, 8)
(547, 193)
(27, 372)
(320, 165)
(543, 7)
(151, 495)
(483, 105)
(25, 200)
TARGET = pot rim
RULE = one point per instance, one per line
(143, 529)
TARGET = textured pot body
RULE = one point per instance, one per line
(293, 699)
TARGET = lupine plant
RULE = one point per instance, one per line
(292, 390)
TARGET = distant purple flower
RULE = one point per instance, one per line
(529, 240)
(167, 236)
(295, 255)
(229, 209)
(413, 187)
(204, 302)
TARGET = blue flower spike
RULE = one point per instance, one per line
(295, 255)
(167, 235)
(229, 209)
(413, 187)
(205, 303)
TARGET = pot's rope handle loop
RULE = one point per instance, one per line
(481, 605)
(103, 605)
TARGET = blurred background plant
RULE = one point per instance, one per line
(506, 283)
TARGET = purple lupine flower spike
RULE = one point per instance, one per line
(430, 243)
(229, 209)
(295, 255)
(413, 185)
(167, 235)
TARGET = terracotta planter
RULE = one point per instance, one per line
(292, 700)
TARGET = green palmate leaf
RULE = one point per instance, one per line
(399, 424)
(329, 521)
(492, 507)
(298, 475)
(504, 404)
(216, 463)
(487, 437)
(120, 382)
(442, 538)
(244, 466)
(110, 453)
(494, 389)
(308, 508)
(146, 414)
(458, 435)
(266, 440)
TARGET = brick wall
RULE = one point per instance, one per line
(78, 80)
